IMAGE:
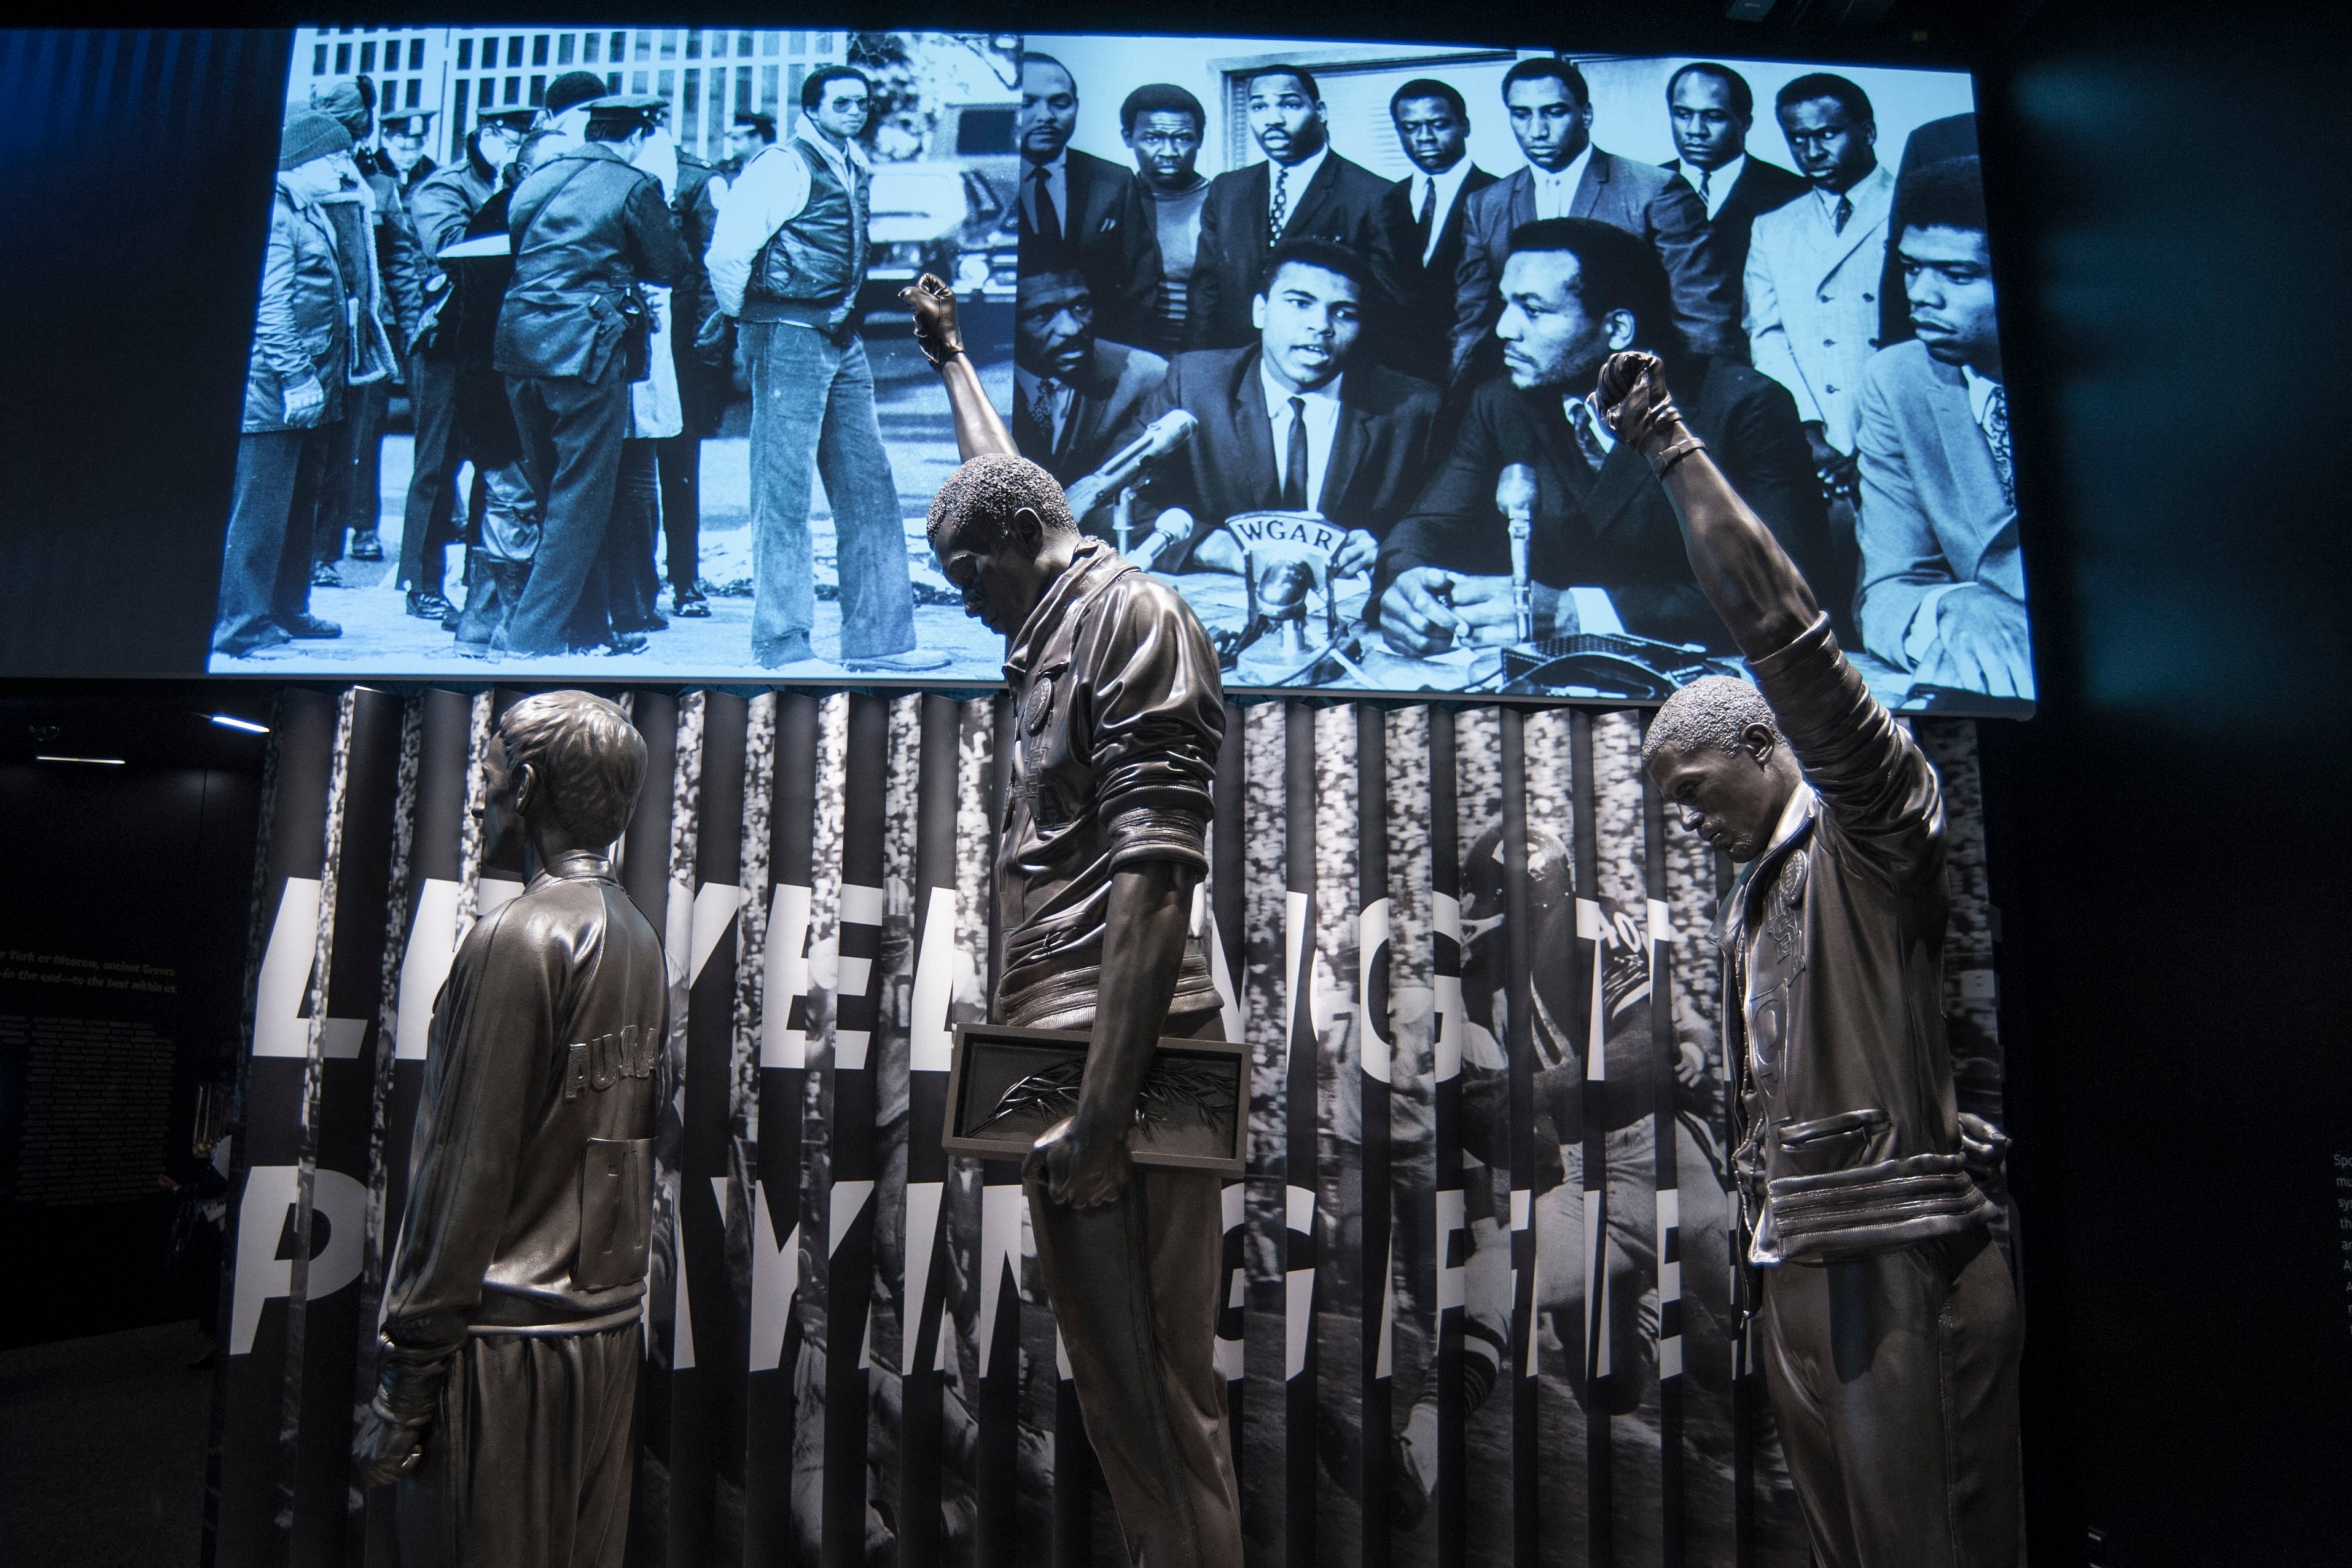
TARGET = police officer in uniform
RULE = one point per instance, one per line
(440, 207)
(705, 385)
(587, 227)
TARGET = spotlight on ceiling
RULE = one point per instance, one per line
(231, 721)
(96, 762)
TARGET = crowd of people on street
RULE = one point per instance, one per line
(569, 309)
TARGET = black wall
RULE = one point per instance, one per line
(101, 869)
(2168, 834)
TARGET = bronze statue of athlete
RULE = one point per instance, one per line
(510, 1342)
(1118, 714)
(1890, 1334)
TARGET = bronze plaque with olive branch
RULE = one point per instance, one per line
(1006, 1086)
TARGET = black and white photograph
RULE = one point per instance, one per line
(1311, 330)
(581, 353)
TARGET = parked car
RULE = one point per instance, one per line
(948, 216)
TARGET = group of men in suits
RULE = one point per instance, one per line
(1379, 351)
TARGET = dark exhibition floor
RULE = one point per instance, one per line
(102, 1449)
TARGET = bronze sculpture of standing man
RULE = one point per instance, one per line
(510, 1341)
(1117, 714)
(1889, 1324)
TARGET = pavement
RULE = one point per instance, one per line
(380, 640)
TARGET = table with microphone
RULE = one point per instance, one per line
(1281, 617)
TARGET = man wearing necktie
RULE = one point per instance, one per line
(1301, 421)
(1072, 392)
(1815, 266)
(1711, 108)
(1304, 190)
(1550, 108)
(1605, 554)
(1425, 213)
(1078, 209)
(1943, 585)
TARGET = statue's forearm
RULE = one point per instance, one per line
(1143, 949)
(1741, 567)
(977, 426)
(1746, 575)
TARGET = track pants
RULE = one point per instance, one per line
(1894, 1382)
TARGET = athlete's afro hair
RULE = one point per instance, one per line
(1714, 710)
(980, 498)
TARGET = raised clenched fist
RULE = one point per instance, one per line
(1634, 398)
(936, 333)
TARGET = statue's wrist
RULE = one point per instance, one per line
(1662, 430)
(941, 352)
(1668, 444)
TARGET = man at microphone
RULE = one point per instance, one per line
(1599, 549)
(1299, 421)
(1072, 392)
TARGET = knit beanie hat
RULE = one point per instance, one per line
(573, 89)
(309, 135)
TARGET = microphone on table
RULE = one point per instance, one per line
(1159, 437)
(1514, 496)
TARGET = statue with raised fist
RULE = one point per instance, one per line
(1118, 717)
(1889, 1325)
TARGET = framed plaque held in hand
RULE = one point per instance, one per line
(1006, 1086)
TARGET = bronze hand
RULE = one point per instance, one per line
(935, 332)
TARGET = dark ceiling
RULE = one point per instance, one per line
(1892, 31)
